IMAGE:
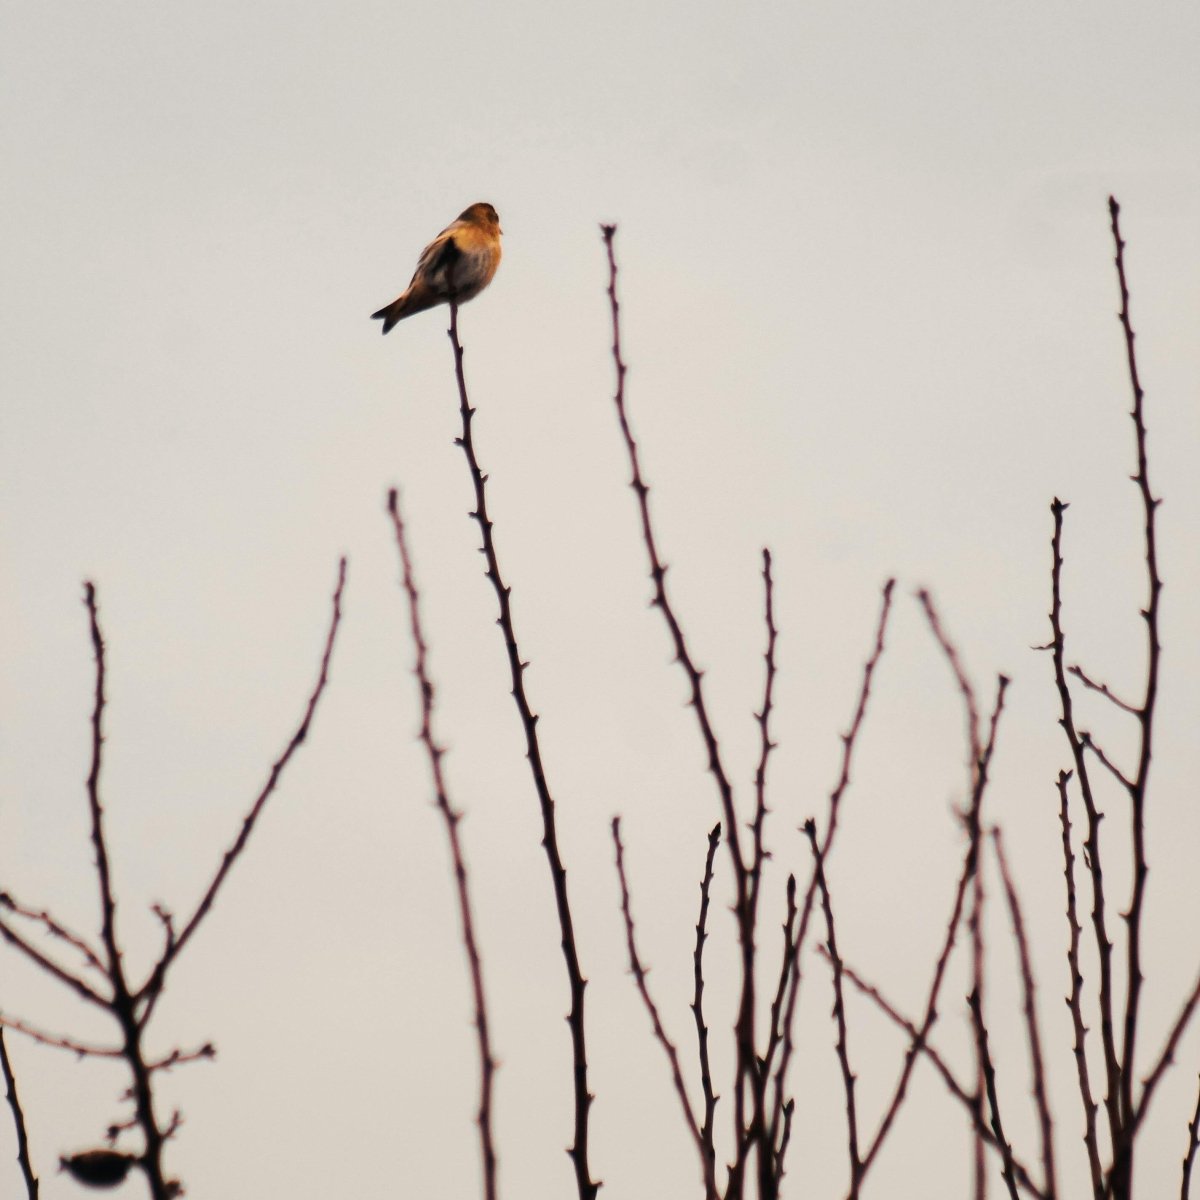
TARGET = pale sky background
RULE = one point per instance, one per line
(869, 313)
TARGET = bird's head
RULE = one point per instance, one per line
(482, 214)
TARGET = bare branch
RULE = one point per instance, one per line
(74, 982)
(179, 1058)
(1137, 791)
(839, 1013)
(706, 1083)
(451, 818)
(1103, 689)
(1075, 999)
(1105, 761)
(18, 1116)
(970, 866)
(1190, 1156)
(58, 1041)
(149, 991)
(1165, 1059)
(1037, 1065)
(974, 740)
(747, 1070)
(763, 717)
(54, 928)
(953, 1086)
(1092, 858)
(784, 1041)
(974, 1003)
(103, 874)
(639, 974)
(586, 1186)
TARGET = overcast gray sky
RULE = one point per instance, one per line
(869, 313)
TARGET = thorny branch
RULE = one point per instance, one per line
(706, 1083)
(953, 1086)
(1032, 1030)
(1075, 999)
(781, 1029)
(586, 1186)
(749, 1131)
(18, 1116)
(124, 1002)
(451, 818)
(707, 1165)
(839, 1012)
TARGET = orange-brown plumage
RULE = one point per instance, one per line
(457, 265)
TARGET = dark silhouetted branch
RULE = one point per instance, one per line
(1033, 1034)
(1075, 999)
(54, 928)
(707, 1166)
(839, 1012)
(1145, 716)
(18, 1116)
(451, 818)
(970, 866)
(953, 1086)
(587, 1187)
(763, 717)
(782, 1037)
(1092, 858)
(1189, 1157)
(1103, 688)
(79, 986)
(706, 1083)
(147, 995)
(58, 1041)
(747, 1131)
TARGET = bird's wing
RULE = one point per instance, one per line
(438, 257)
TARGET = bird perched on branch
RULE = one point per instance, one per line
(457, 265)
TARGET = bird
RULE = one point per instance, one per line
(457, 265)
(98, 1168)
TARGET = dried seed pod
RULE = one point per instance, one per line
(98, 1168)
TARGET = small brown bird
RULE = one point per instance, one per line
(98, 1168)
(457, 265)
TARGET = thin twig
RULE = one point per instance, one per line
(953, 1086)
(1103, 688)
(970, 866)
(1106, 762)
(1037, 1064)
(839, 1013)
(1145, 715)
(123, 1003)
(706, 1083)
(763, 717)
(781, 1030)
(1075, 999)
(1164, 1061)
(54, 928)
(1092, 859)
(451, 818)
(989, 1076)
(949, 651)
(1190, 1155)
(746, 1130)
(79, 986)
(59, 1041)
(148, 993)
(179, 1058)
(586, 1186)
(18, 1116)
(707, 1165)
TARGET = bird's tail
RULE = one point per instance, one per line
(389, 314)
